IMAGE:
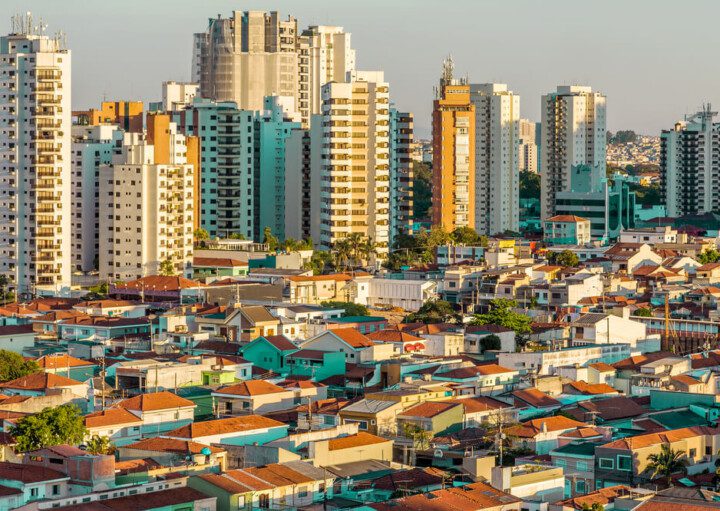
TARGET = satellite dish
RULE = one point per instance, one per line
(438, 453)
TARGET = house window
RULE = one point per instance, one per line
(624, 463)
(33, 493)
(560, 463)
(580, 486)
(607, 463)
(263, 501)
(302, 491)
(692, 453)
(582, 466)
(56, 489)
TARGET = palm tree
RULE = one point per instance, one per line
(366, 249)
(100, 445)
(666, 463)
(342, 252)
(355, 240)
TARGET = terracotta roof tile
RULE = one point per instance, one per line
(535, 397)
(352, 337)
(40, 381)
(429, 409)
(173, 445)
(251, 388)
(354, 441)
(532, 427)
(155, 401)
(111, 417)
(223, 426)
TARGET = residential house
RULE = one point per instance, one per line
(484, 411)
(356, 346)
(253, 397)
(238, 323)
(375, 416)
(541, 435)
(119, 425)
(88, 472)
(115, 308)
(17, 338)
(577, 459)
(485, 379)
(211, 268)
(67, 365)
(243, 430)
(315, 289)
(359, 447)
(626, 257)
(477, 496)
(269, 352)
(436, 417)
(159, 411)
(566, 230)
(172, 452)
(44, 384)
(315, 364)
(30, 483)
(535, 485)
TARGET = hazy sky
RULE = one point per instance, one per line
(656, 60)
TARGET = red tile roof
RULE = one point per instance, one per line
(536, 398)
(353, 441)
(251, 388)
(173, 445)
(567, 218)
(223, 426)
(159, 283)
(61, 361)
(39, 381)
(665, 437)
(352, 337)
(28, 474)
(155, 401)
(531, 428)
(111, 417)
(218, 262)
(429, 409)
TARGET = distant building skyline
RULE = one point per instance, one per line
(639, 75)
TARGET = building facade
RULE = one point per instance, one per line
(92, 147)
(146, 207)
(273, 125)
(497, 123)
(354, 180)
(401, 173)
(453, 133)
(573, 137)
(35, 163)
(528, 148)
(690, 165)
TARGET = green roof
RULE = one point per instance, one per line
(358, 319)
(194, 391)
(679, 419)
(572, 449)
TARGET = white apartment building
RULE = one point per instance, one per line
(573, 140)
(354, 179)
(254, 54)
(146, 210)
(35, 166)
(325, 55)
(178, 95)
(528, 147)
(689, 166)
(92, 146)
(497, 119)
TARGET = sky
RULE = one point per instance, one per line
(654, 59)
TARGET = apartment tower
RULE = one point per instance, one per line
(690, 165)
(497, 123)
(35, 164)
(573, 140)
(401, 173)
(354, 180)
(453, 134)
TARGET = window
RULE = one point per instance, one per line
(692, 453)
(580, 486)
(624, 463)
(582, 466)
(263, 501)
(560, 463)
(302, 491)
(606, 463)
(56, 489)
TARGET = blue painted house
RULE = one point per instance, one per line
(269, 352)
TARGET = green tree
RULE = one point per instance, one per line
(422, 190)
(596, 506)
(13, 366)
(342, 251)
(4, 283)
(52, 426)
(501, 313)
(420, 437)
(236, 236)
(666, 463)
(201, 236)
(529, 185)
(433, 311)
(100, 445)
(710, 255)
(465, 236)
(99, 292)
(318, 262)
(490, 342)
(564, 258)
(351, 309)
(269, 238)
(167, 268)
(645, 312)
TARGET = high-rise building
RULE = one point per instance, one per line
(249, 56)
(303, 163)
(573, 138)
(178, 95)
(146, 204)
(273, 125)
(689, 166)
(497, 116)
(325, 55)
(92, 147)
(128, 115)
(226, 161)
(255, 54)
(401, 173)
(528, 151)
(453, 152)
(354, 180)
(35, 164)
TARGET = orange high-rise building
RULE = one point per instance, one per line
(453, 130)
(127, 114)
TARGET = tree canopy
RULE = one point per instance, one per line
(564, 258)
(13, 366)
(490, 342)
(710, 255)
(52, 426)
(422, 190)
(644, 312)
(529, 185)
(167, 268)
(351, 309)
(501, 313)
(433, 311)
